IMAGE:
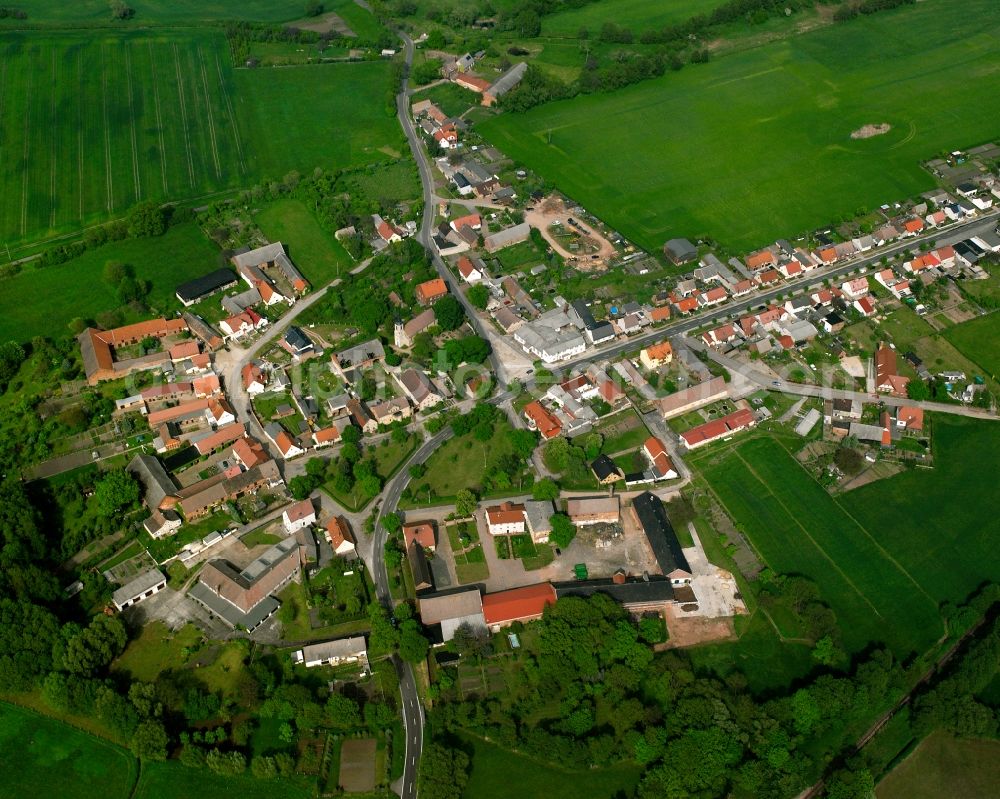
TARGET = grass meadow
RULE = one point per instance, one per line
(319, 255)
(945, 766)
(885, 555)
(637, 15)
(498, 774)
(48, 299)
(54, 759)
(979, 341)
(163, 11)
(91, 123)
(756, 144)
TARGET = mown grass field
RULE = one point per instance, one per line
(153, 11)
(92, 123)
(318, 255)
(42, 302)
(884, 556)
(637, 15)
(945, 766)
(756, 145)
(499, 774)
(979, 341)
(44, 757)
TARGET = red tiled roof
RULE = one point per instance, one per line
(249, 452)
(421, 532)
(913, 225)
(759, 259)
(326, 435)
(657, 454)
(911, 416)
(544, 422)
(185, 349)
(230, 432)
(660, 314)
(431, 290)
(719, 427)
(516, 604)
(609, 391)
(687, 304)
(505, 513)
(472, 220)
(208, 384)
(337, 532)
(251, 373)
(465, 266)
(300, 510)
(660, 351)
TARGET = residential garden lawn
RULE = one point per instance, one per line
(696, 152)
(130, 550)
(979, 340)
(621, 432)
(171, 780)
(157, 649)
(331, 115)
(393, 181)
(259, 537)
(42, 302)
(470, 565)
(637, 15)
(167, 547)
(390, 454)
(54, 759)
(449, 97)
(459, 462)
(319, 255)
(518, 255)
(102, 120)
(499, 774)
(905, 327)
(945, 766)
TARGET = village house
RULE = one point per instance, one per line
(708, 432)
(690, 399)
(605, 470)
(333, 653)
(453, 610)
(469, 271)
(659, 461)
(419, 389)
(390, 411)
(431, 291)
(656, 355)
(252, 265)
(283, 441)
(298, 516)
(422, 533)
(540, 419)
(241, 324)
(505, 519)
(887, 377)
(855, 289)
(339, 534)
(325, 437)
(538, 515)
(254, 381)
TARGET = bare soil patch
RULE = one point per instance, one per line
(870, 131)
(686, 630)
(593, 251)
(357, 765)
(324, 23)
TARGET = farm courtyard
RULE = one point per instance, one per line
(756, 145)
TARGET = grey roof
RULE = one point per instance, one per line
(273, 253)
(584, 313)
(202, 329)
(538, 513)
(508, 80)
(154, 478)
(505, 238)
(338, 648)
(137, 586)
(633, 591)
(239, 302)
(436, 608)
(231, 614)
(680, 250)
(194, 290)
(660, 533)
(297, 340)
(361, 353)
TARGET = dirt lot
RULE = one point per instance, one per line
(687, 630)
(357, 765)
(324, 24)
(595, 251)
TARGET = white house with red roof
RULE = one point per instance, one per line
(254, 381)
(864, 306)
(790, 269)
(713, 297)
(243, 323)
(298, 516)
(469, 271)
(855, 289)
(387, 232)
(720, 336)
(659, 461)
(469, 220)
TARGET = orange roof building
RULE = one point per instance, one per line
(431, 291)
(658, 458)
(421, 533)
(539, 418)
(657, 355)
(518, 604)
(97, 348)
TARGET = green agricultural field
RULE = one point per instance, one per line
(637, 15)
(944, 766)
(979, 341)
(153, 11)
(171, 780)
(48, 299)
(498, 774)
(54, 759)
(91, 124)
(319, 255)
(798, 528)
(329, 115)
(756, 145)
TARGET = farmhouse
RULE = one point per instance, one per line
(540, 419)
(333, 653)
(504, 83)
(505, 519)
(538, 514)
(584, 511)
(98, 348)
(242, 323)
(887, 377)
(717, 428)
(340, 536)
(453, 610)
(650, 514)
(359, 356)
(138, 589)
(423, 534)
(251, 265)
(162, 523)
(605, 470)
(690, 399)
(194, 290)
(518, 604)
(659, 461)
(245, 598)
(419, 389)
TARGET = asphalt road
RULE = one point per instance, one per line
(786, 289)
